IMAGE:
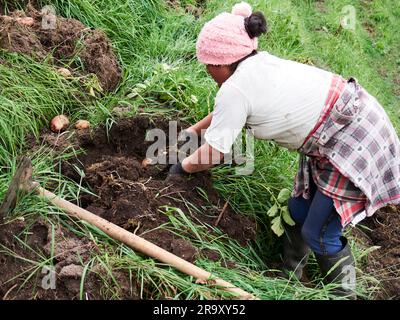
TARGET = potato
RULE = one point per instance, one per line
(64, 72)
(146, 162)
(6, 19)
(82, 124)
(26, 21)
(59, 123)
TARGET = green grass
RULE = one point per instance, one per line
(31, 91)
(156, 47)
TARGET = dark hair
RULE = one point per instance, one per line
(255, 24)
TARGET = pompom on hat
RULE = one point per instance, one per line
(242, 9)
(224, 39)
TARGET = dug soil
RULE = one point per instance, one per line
(62, 41)
(23, 246)
(383, 230)
(131, 195)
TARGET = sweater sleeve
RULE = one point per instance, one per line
(229, 117)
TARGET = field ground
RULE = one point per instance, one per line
(133, 68)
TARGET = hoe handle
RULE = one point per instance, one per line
(140, 244)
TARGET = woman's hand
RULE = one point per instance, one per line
(202, 159)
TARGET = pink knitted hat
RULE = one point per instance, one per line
(224, 40)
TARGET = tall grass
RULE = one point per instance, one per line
(30, 94)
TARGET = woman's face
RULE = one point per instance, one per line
(219, 73)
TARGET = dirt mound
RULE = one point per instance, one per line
(65, 40)
(384, 263)
(130, 195)
(69, 254)
(37, 253)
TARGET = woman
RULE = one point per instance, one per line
(349, 164)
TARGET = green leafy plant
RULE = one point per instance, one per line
(279, 213)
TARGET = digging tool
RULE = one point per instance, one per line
(22, 181)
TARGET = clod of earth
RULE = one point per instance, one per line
(71, 271)
(22, 32)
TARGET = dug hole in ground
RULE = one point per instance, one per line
(128, 194)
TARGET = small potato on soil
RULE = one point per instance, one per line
(26, 21)
(64, 72)
(59, 123)
(82, 124)
(6, 19)
(146, 162)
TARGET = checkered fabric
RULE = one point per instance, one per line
(353, 154)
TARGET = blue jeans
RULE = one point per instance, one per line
(321, 226)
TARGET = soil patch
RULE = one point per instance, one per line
(384, 263)
(66, 41)
(130, 194)
(70, 253)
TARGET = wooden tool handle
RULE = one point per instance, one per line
(140, 244)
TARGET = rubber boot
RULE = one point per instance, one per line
(344, 272)
(295, 252)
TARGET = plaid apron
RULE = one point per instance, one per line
(352, 154)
